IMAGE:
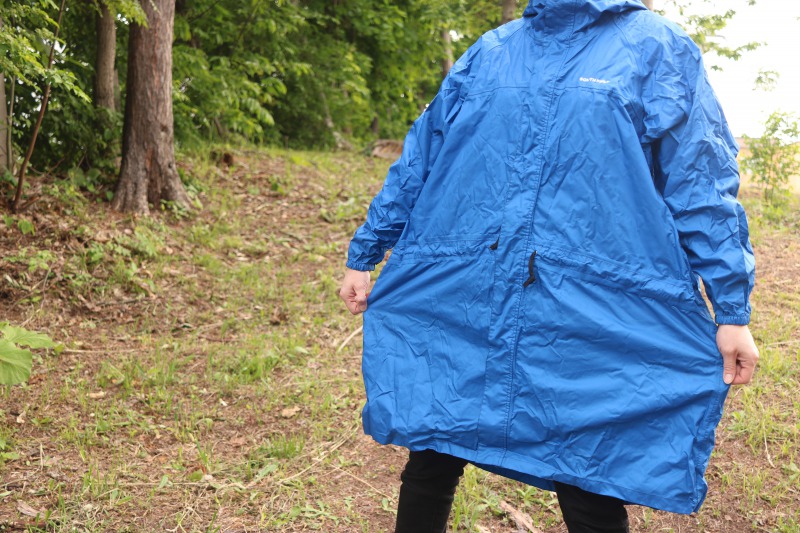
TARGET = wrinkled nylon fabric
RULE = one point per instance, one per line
(585, 132)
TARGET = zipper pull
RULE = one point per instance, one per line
(532, 276)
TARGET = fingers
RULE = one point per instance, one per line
(744, 373)
(355, 302)
(354, 291)
(738, 367)
(361, 299)
(739, 354)
(729, 367)
(745, 367)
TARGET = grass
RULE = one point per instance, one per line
(205, 385)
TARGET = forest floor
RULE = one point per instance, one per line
(209, 378)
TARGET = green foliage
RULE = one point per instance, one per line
(303, 73)
(775, 156)
(16, 362)
(24, 225)
(144, 243)
(313, 72)
(280, 447)
(25, 43)
(129, 10)
(766, 80)
(230, 61)
(74, 133)
(7, 452)
(705, 30)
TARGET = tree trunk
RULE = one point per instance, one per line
(648, 4)
(148, 174)
(509, 10)
(447, 45)
(5, 159)
(106, 52)
(5, 142)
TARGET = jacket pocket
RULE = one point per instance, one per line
(681, 294)
(464, 247)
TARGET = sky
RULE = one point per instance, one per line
(774, 22)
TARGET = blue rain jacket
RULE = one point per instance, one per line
(550, 218)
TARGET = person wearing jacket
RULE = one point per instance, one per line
(551, 218)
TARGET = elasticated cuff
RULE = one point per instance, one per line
(736, 320)
(364, 267)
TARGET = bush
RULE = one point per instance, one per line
(775, 156)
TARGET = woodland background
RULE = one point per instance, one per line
(122, 79)
(310, 74)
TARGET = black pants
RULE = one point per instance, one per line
(429, 483)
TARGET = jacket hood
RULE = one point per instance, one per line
(593, 8)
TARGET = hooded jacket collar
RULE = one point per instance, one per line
(576, 13)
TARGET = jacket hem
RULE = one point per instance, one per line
(529, 471)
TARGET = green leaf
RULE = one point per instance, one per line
(26, 227)
(9, 456)
(15, 363)
(23, 337)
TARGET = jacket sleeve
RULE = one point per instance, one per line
(695, 170)
(391, 208)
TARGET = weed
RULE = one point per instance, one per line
(7, 452)
(279, 447)
(468, 505)
(144, 242)
(24, 225)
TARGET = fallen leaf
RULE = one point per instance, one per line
(289, 412)
(97, 395)
(27, 509)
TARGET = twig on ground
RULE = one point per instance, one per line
(338, 444)
(521, 519)
(782, 343)
(217, 339)
(766, 449)
(121, 302)
(22, 526)
(123, 350)
(349, 338)
(363, 481)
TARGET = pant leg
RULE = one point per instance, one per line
(586, 512)
(427, 491)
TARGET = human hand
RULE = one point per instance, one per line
(354, 290)
(739, 353)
